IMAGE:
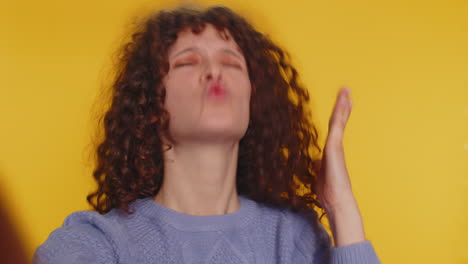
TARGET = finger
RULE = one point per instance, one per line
(345, 104)
(340, 114)
(342, 107)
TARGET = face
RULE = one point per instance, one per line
(207, 88)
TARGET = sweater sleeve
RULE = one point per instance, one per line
(362, 253)
(315, 246)
(73, 244)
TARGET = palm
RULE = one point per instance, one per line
(333, 180)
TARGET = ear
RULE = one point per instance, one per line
(154, 119)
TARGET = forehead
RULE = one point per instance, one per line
(209, 36)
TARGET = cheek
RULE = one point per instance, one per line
(240, 80)
(179, 89)
(244, 92)
(245, 88)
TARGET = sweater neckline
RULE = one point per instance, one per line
(155, 211)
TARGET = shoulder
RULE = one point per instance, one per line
(283, 216)
(110, 222)
(84, 237)
(311, 241)
(292, 221)
(303, 237)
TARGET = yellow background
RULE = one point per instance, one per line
(406, 143)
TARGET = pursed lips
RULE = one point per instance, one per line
(216, 89)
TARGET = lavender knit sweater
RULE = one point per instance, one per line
(155, 234)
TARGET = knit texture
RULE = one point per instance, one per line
(256, 233)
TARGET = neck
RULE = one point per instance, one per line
(200, 179)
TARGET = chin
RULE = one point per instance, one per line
(224, 133)
(227, 132)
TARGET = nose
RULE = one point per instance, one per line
(212, 72)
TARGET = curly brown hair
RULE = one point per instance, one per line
(275, 164)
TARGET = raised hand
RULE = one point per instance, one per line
(333, 183)
(333, 186)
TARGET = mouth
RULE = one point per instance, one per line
(217, 90)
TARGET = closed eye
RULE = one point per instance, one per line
(234, 65)
(184, 64)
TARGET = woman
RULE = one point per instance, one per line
(207, 157)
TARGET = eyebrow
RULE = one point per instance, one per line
(224, 50)
(229, 51)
